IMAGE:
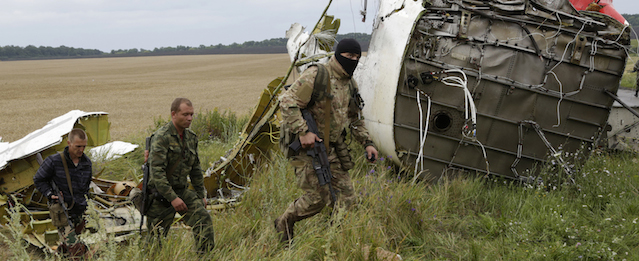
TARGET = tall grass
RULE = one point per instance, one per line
(16, 232)
(628, 80)
(211, 125)
(467, 218)
(216, 132)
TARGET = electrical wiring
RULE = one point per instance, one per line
(561, 97)
(469, 130)
(419, 161)
(469, 104)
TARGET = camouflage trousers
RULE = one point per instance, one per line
(161, 214)
(316, 197)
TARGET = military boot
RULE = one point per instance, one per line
(284, 226)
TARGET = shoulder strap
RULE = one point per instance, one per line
(322, 85)
(356, 102)
(351, 87)
(322, 80)
(327, 115)
(66, 171)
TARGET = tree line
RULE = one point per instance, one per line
(30, 51)
(274, 45)
(633, 19)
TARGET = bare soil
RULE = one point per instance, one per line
(133, 90)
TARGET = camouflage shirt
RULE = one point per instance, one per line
(167, 150)
(299, 95)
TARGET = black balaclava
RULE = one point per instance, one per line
(348, 45)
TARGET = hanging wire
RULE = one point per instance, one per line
(551, 149)
(419, 161)
(469, 130)
(561, 94)
(561, 97)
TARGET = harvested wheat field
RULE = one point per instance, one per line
(133, 90)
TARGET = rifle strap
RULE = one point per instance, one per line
(66, 171)
(327, 117)
(322, 88)
(324, 82)
(322, 79)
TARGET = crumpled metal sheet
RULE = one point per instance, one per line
(534, 72)
(21, 159)
(53, 134)
(111, 150)
(226, 179)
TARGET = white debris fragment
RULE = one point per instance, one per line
(111, 150)
(44, 138)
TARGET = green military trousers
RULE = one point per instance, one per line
(316, 197)
(161, 214)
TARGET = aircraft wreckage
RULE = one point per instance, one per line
(20, 160)
(493, 87)
(490, 86)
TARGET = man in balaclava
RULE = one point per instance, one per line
(349, 53)
(336, 101)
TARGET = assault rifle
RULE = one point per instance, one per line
(56, 192)
(60, 200)
(145, 185)
(319, 154)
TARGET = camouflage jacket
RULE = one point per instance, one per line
(299, 95)
(167, 150)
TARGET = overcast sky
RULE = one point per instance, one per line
(124, 24)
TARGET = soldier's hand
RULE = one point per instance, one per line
(204, 201)
(371, 153)
(146, 156)
(308, 140)
(54, 197)
(179, 205)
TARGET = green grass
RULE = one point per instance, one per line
(216, 131)
(459, 219)
(471, 218)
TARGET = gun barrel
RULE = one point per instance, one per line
(145, 183)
